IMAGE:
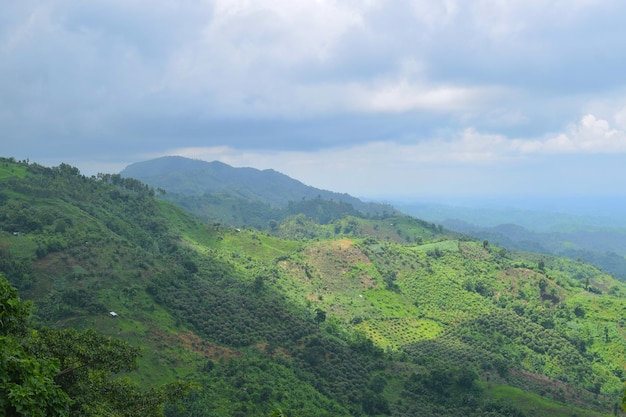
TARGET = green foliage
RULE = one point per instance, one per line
(67, 372)
(122, 397)
(321, 211)
(14, 313)
(27, 386)
(320, 316)
(79, 352)
(297, 322)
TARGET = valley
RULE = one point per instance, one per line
(320, 310)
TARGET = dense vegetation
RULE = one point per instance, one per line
(65, 372)
(326, 313)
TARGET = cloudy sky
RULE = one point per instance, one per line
(398, 98)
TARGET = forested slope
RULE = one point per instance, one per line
(347, 316)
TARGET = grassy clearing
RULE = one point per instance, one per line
(536, 405)
(8, 170)
(390, 304)
(256, 245)
(19, 246)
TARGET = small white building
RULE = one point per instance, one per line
(112, 314)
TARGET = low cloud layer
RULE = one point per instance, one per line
(366, 93)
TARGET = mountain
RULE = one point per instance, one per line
(355, 316)
(194, 178)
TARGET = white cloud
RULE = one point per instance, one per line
(589, 136)
(620, 118)
(404, 96)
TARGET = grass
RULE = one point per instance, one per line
(446, 245)
(390, 304)
(9, 169)
(257, 245)
(19, 246)
(536, 405)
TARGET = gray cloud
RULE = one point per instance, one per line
(112, 82)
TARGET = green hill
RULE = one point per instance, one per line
(344, 317)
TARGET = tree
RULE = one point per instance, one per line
(320, 316)
(67, 372)
(374, 403)
(541, 265)
(259, 284)
(579, 312)
(543, 284)
(88, 362)
(27, 386)
(14, 313)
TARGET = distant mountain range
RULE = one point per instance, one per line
(595, 237)
(194, 178)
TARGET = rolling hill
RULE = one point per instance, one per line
(356, 315)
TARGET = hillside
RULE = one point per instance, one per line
(597, 238)
(214, 191)
(354, 316)
(603, 247)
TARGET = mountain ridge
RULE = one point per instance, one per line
(193, 177)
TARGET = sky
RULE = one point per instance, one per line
(398, 99)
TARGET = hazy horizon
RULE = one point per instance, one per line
(594, 205)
